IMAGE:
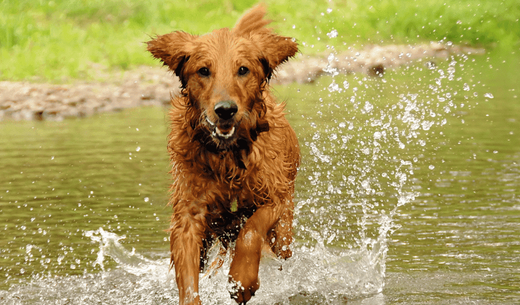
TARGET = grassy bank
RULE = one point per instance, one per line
(64, 39)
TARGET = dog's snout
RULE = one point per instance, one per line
(226, 109)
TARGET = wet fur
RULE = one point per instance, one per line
(233, 180)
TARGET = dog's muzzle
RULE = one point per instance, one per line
(224, 127)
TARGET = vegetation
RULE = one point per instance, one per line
(61, 40)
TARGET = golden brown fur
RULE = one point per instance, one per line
(234, 156)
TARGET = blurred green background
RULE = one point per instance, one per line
(61, 40)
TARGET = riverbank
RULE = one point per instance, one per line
(153, 86)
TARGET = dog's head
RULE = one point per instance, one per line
(224, 73)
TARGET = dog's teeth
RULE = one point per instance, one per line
(225, 136)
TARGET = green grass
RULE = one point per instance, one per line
(60, 40)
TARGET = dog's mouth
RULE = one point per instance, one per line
(221, 131)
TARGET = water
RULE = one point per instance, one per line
(408, 193)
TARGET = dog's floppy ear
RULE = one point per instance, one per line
(275, 49)
(172, 49)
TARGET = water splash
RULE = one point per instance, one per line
(134, 280)
(111, 248)
(350, 199)
(314, 275)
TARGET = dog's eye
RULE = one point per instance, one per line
(243, 71)
(204, 71)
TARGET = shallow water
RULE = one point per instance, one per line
(408, 193)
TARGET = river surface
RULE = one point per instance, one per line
(408, 193)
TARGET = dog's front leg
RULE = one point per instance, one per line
(243, 272)
(185, 246)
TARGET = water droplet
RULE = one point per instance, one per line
(146, 199)
(333, 87)
(333, 34)
(451, 70)
(368, 107)
(488, 95)
(138, 148)
(426, 125)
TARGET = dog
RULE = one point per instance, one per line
(234, 155)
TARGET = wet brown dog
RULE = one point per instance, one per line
(234, 156)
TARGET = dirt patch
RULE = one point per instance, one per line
(155, 85)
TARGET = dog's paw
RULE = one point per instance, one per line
(242, 293)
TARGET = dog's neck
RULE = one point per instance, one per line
(239, 150)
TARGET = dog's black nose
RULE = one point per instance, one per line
(226, 109)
